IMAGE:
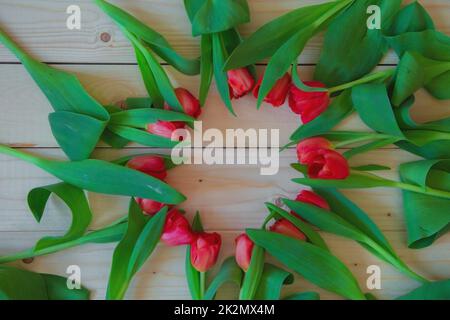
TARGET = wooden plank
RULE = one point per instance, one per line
(25, 122)
(163, 276)
(40, 27)
(229, 196)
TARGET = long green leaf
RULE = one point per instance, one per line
(133, 250)
(192, 274)
(438, 290)
(313, 263)
(152, 38)
(140, 118)
(103, 177)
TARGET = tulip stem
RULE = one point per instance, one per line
(369, 136)
(380, 75)
(202, 284)
(424, 190)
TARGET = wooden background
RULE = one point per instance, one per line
(229, 197)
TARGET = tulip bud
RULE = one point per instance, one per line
(286, 228)
(190, 104)
(150, 207)
(151, 165)
(309, 105)
(312, 198)
(244, 248)
(326, 164)
(311, 144)
(177, 230)
(277, 96)
(162, 128)
(240, 81)
(205, 250)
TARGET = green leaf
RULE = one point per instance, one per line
(163, 82)
(304, 296)
(192, 274)
(87, 131)
(367, 46)
(143, 137)
(272, 280)
(375, 109)
(103, 177)
(78, 117)
(414, 72)
(427, 217)
(349, 221)
(356, 179)
(219, 57)
(309, 232)
(371, 167)
(411, 18)
(206, 67)
(373, 145)
(438, 290)
(140, 118)
(340, 108)
(74, 198)
(148, 78)
(16, 284)
(229, 272)
(152, 38)
(112, 233)
(313, 263)
(212, 16)
(270, 37)
(134, 249)
(253, 275)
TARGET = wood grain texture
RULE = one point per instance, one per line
(40, 26)
(230, 198)
(25, 122)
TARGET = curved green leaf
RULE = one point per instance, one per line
(375, 109)
(219, 56)
(16, 284)
(367, 46)
(253, 275)
(74, 198)
(272, 280)
(206, 67)
(143, 137)
(411, 18)
(133, 250)
(212, 16)
(229, 272)
(425, 223)
(313, 263)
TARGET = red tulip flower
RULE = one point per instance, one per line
(177, 230)
(240, 81)
(311, 144)
(277, 96)
(150, 207)
(162, 128)
(309, 105)
(312, 198)
(286, 228)
(205, 250)
(151, 165)
(190, 104)
(244, 249)
(326, 164)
